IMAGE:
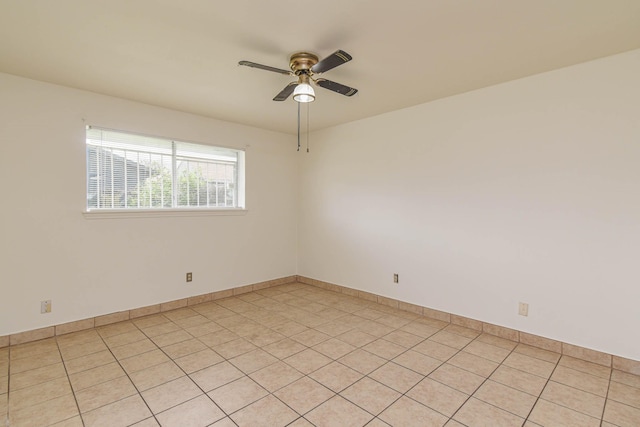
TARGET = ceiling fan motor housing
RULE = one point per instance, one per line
(302, 62)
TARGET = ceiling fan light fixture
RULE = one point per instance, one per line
(304, 93)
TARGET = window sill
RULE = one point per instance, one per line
(159, 213)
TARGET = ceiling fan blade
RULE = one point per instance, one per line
(264, 67)
(336, 87)
(286, 92)
(338, 57)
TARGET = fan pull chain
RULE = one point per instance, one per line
(308, 126)
(298, 125)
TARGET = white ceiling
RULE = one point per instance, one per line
(183, 55)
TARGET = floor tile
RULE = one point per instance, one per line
(519, 380)
(156, 375)
(334, 348)
(487, 351)
(376, 329)
(356, 338)
(546, 413)
(307, 361)
(144, 361)
(586, 367)
(133, 349)
(436, 350)
(197, 361)
(397, 377)
(116, 329)
(497, 341)
(573, 398)
(214, 339)
(624, 394)
(234, 348)
(581, 380)
(338, 412)
(104, 393)
(336, 376)
(438, 396)
(264, 338)
(405, 339)
(507, 398)
(289, 328)
(419, 329)
(362, 361)
(304, 395)
(118, 414)
(89, 362)
(472, 363)
(198, 412)
(94, 376)
(237, 394)
(36, 361)
(36, 376)
(461, 330)
(370, 395)
(276, 376)
(621, 415)
(477, 413)
(203, 329)
(529, 364)
(183, 348)
(45, 413)
(267, 412)
(626, 378)
(457, 378)
(334, 328)
(123, 339)
(385, 349)
(417, 362)
(170, 394)
(408, 412)
(538, 353)
(284, 348)
(36, 394)
(253, 361)
(310, 337)
(450, 340)
(216, 376)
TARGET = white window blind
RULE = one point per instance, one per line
(129, 171)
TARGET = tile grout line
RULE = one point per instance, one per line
(179, 367)
(543, 388)
(483, 382)
(126, 374)
(75, 399)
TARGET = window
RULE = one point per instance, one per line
(129, 171)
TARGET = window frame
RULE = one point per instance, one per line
(173, 211)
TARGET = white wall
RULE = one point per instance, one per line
(526, 191)
(48, 250)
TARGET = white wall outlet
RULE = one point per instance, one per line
(395, 278)
(523, 309)
(45, 306)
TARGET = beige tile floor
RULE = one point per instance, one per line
(300, 356)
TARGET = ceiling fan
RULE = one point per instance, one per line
(305, 66)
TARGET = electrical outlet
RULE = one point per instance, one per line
(395, 278)
(45, 306)
(189, 277)
(523, 309)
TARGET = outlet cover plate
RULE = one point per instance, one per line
(45, 306)
(523, 309)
